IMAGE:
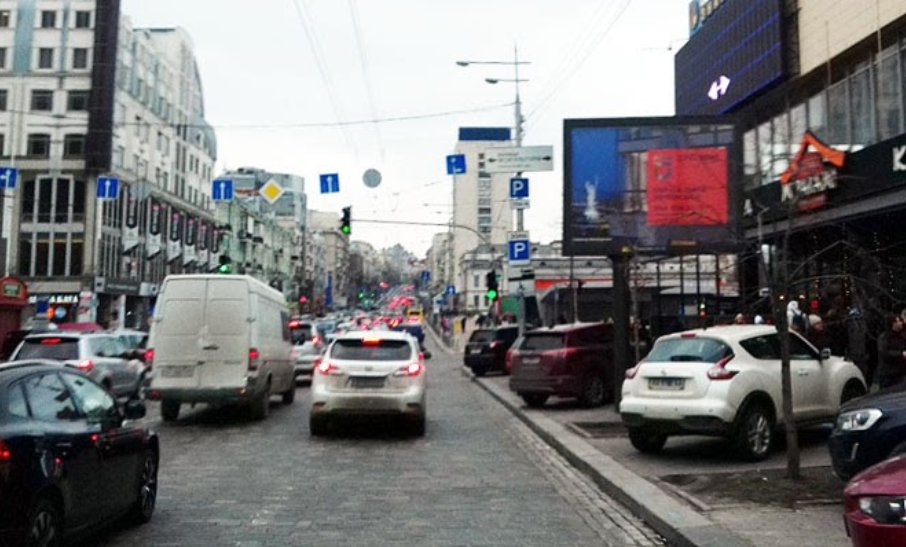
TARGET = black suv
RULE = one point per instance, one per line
(487, 349)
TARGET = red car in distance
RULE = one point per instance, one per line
(875, 505)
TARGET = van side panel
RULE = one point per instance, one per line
(227, 334)
(175, 332)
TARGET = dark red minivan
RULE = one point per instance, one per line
(567, 361)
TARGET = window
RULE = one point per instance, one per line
(817, 116)
(42, 99)
(4, 18)
(95, 403)
(762, 347)
(476, 281)
(750, 158)
(475, 300)
(38, 145)
(2, 57)
(49, 398)
(83, 19)
(3, 95)
(838, 115)
(80, 57)
(862, 108)
(799, 350)
(73, 146)
(77, 100)
(45, 57)
(48, 19)
(16, 404)
(890, 112)
(698, 349)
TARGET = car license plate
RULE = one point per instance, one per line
(177, 371)
(531, 361)
(475, 350)
(366, 382)
(666, 384)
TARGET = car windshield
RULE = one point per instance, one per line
(703, 350)
(60, 349)
(542, 341)
(371, 350)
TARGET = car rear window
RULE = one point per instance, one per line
(482, 336)
(301, 334)
(60, 349)
(542, 341)
(706, 350)
(367, 350)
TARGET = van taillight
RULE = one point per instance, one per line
(149, 357)
(5, 453)
(254, 355)
(85, 365)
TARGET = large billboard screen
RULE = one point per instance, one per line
(737, 53)
(650, 185)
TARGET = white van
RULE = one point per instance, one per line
(221, 339)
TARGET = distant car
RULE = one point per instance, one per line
(132, 339)
(572, 360)
(868, 430)
(307, 348)
(725, 381)
(370, 373)
(70, 456)
(875, 505)
(100, 356)
(487, 349)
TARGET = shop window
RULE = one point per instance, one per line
(765, 152)
(890, 106)
(798, 126)
(862, 108)
(750, 158)
(781, 145)
(838, 115)
(817, 116)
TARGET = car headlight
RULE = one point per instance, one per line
(884, 509)
(858, 420)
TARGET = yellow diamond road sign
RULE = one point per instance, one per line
(271, 191)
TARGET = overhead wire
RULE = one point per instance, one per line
(372, 110)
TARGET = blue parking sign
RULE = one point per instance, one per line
(519, 187)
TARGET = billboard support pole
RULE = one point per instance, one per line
(621, 350)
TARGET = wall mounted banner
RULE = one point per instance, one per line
(174, 242)
(203, 243)
(188, 253)
(215, 248)
(153, 237)
(130, 222)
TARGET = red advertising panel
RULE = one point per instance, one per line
(687, 187)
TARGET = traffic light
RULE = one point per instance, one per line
(346, 223)
(702, 309)
(226, 265)
(491, 284)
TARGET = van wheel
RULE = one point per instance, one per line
(534, 400)
(169, 410)
(646, 441)
(261, 406)
(290, 395)
(593, 392)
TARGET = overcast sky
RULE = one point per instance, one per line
(279, 74)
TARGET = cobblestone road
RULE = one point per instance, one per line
(478, 477)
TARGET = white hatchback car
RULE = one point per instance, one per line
(370, 373)
(726, 381)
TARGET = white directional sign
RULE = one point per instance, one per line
(519, 249)
(515, 160)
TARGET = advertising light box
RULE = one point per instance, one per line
(650, 185)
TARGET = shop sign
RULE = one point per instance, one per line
(116, 286)
(55, 299)
(811, 175)
(13, 287)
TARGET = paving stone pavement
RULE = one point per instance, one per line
(478, 477)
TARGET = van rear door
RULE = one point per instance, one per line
(177, 329)
(225, 340)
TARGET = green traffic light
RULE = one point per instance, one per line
(346, 230)
(491, 294)
(225, 269)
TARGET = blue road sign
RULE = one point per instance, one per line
(108, 187)
(426, 275)
(222, 190)
(451, 290)
(330, 183)
(519, 251)
(519, 187)
(8, 176)
(456, 164)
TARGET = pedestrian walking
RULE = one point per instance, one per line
(795, 318)
(740, 319)
(817, 333)
(892, 353)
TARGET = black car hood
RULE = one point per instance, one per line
(891, 398)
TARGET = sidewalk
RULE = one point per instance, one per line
(653, 486)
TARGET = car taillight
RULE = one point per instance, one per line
(325, 367)
(508, 364)
(85, 365)
(149, 357)
(719, 372)
(494, 344)
(5, 453)
(565, 354)
(410, 370)
(631, 373)
(254, 356)
(316, 340)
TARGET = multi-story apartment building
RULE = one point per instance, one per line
(83, 95)
(335, 247)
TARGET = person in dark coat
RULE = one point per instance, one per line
(817, 333)
(892, 353)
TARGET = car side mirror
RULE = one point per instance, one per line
(426, 354)
(825, 354)
(134, 409)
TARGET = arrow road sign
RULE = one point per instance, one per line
(516, 160)
(519, 249)
(456, 164)
(519, 187)
(330, 183)
(108, 188)
(451, 290)
(222, 190)
(8, 176)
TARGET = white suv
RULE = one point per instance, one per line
(726, 381)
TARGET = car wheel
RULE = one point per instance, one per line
(593, 392)
(261, 405)
(534, 400)
(290, 395)
(480, 370)
(755, 433)
(147, 489)
(169, 410)
(852, 390)
(417, 426)
(317, 425)
(646, 440)
(45, 527)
